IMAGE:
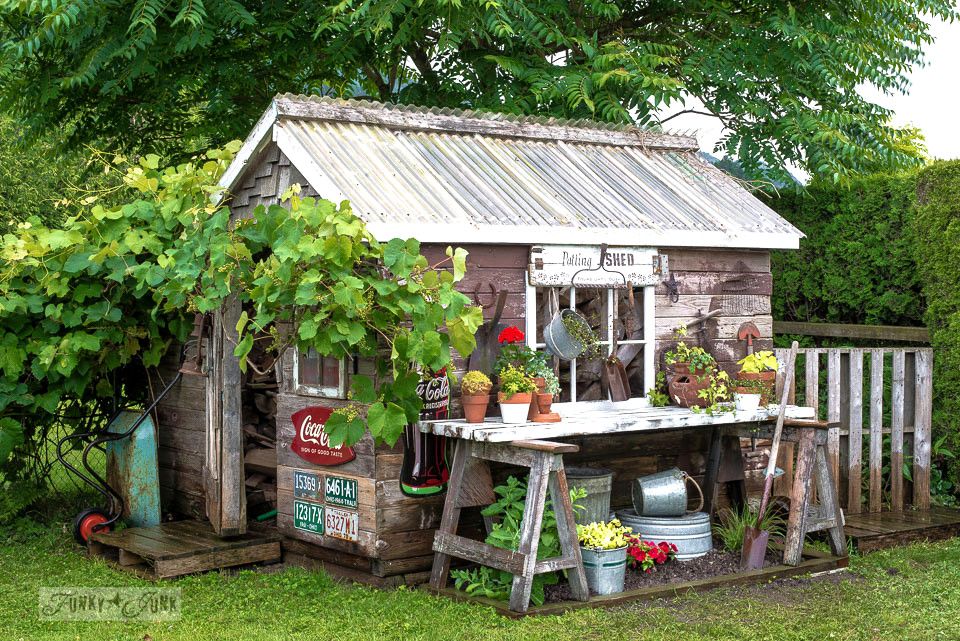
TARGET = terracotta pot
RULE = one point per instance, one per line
(475, 407)
(685, 387)
(544, 401)
(769, 381)
(540, 382)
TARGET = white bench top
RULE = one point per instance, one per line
(584, 419)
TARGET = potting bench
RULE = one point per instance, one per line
(532, 446)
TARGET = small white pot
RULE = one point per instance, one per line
(747, 402)
(514, 413)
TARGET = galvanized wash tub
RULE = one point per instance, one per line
(605, 569)
(597, 482)
(691, 533)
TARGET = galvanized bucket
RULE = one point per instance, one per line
(605, 569)
(597, 482)
(663, 493)
(559, 341)
(691, 533)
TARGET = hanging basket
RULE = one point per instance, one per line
(560, 342)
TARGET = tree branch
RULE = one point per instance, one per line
(692, 111)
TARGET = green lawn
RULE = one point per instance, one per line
(911, 593)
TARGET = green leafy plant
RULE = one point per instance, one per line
(85, 308)
(552, 382)
(700, 362)
(513, 351)
(658, 394)
(475, 382)
(731, 524)
(507, 512)
(763, 361)
(716, 396)
(514, 380)
(749, 386)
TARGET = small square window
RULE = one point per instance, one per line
(318, 375)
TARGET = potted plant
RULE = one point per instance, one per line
(516, 392)
(475, 396)
(748, 394)
(693, 370)
(759, 366)
(603, 546)
(550, 389)
(568, 335)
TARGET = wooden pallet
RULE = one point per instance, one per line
(181, 547)
(878, 530)
(813, 562)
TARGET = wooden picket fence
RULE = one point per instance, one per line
(864, 407)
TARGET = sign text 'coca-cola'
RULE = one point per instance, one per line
(310, 441)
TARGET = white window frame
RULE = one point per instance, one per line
(340, 391)
(648, 341)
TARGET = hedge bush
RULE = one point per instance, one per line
(936, 226)
(856, 264)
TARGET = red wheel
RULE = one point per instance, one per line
(86, 521)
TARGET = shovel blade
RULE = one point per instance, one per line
(754, 548)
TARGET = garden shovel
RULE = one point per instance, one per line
(485, 354)
(754, 539)
(613, 370)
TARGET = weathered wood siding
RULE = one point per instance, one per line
(737, 282)
(181, 422)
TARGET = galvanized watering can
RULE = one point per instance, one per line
(664, 494)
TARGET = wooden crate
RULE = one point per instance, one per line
(181, 547)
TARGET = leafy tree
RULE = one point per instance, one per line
(86, 305)
(781, 76)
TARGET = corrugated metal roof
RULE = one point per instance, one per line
(451, 176)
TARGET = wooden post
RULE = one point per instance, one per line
(799, 500)
(855, 433)
(876, 429)
(833, 410)
(812, 386)
(829, 504)
(450, 519)
(922, 421)
(233, 496)
(896, 432)
(567, 532)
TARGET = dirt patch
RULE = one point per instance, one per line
(713, 564)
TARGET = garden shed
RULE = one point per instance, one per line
(537, 202)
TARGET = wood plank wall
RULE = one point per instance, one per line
(737, 282)
(181, 423)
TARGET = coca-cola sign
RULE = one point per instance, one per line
(310, 441)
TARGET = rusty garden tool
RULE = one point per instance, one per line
(747, 332)
(754, 539)
(614, 371)
(485, 354)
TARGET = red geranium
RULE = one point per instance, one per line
(511, 334)
(644, 555)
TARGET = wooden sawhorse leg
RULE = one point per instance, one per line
(470, 485)
(812, 465)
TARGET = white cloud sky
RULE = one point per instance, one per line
(932, 104)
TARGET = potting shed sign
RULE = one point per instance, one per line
(310, 441)
(556, 266)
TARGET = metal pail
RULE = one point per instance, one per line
(663, 493)
(605, 569)
(691, 533)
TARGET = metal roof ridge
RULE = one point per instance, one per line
(470, 122)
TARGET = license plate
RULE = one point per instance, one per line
(306, 485)
(340, 491)
(342, 524)
(308, 517)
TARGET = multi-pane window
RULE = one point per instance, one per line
(614, 320)
(319, 375)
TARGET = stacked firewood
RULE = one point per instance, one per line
(260, 432)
